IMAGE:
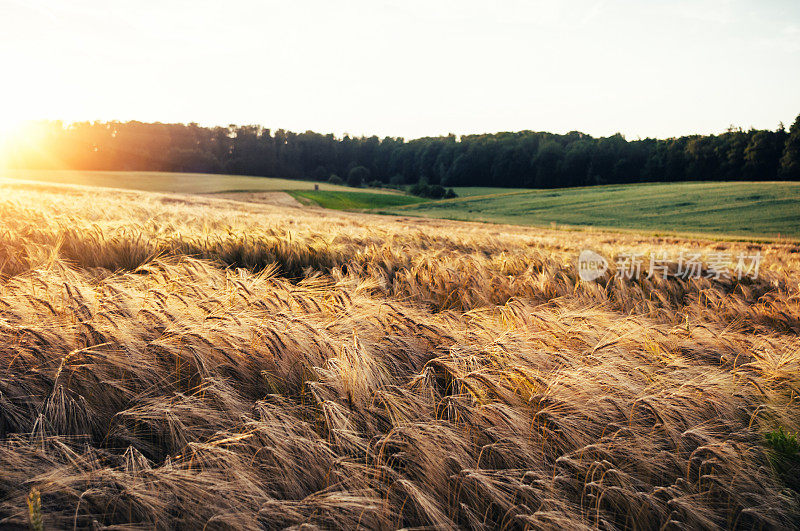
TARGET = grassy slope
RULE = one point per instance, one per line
(186, 183)
(356, 200)
(737, 208)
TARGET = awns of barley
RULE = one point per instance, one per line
(224, 365)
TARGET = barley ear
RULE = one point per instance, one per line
(35, 510)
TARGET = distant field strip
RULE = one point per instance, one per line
(356, 200)
(184, 183)
(738, 209)
(734, 208)
(472, 191)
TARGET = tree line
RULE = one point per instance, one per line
(518, 159)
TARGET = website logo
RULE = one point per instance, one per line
(591, 265)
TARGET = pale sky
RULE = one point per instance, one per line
(406, 67)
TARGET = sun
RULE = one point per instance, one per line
(11, 129)
(7, 132)
(15, 132)
(10, 125)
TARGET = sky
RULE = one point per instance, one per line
(408, 68)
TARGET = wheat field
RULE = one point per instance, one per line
(196, 363)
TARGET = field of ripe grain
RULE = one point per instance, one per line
(170, 362)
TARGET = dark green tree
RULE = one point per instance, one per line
(357, 176)
(761, 157)
(790, 160)
(320, 173)
(547, 163)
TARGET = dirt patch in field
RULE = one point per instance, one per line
(281, 199)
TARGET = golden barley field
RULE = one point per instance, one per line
(174, 362)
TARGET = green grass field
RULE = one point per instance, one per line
(356, 200)
(185, 183)
(760, 209)
(472, 191)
